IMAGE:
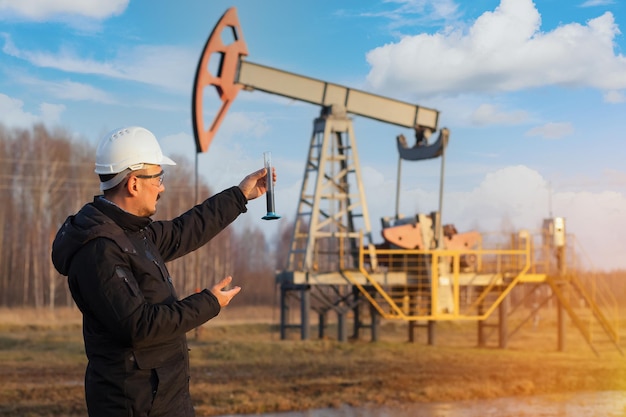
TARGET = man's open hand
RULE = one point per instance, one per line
(224, 296)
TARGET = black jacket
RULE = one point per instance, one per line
(134, 326)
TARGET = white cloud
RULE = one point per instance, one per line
(517, 193)
(71, 90)
(65, 89)
(250, 124)
(487, 114)
(593, 3)
(614, 97)
(12, 113)
(51, 113)
(504, 50)
(40, 10)
(411, 12)
(597, 221)
(519, 197)
(551, 130)
(613, 177)
(168, 67)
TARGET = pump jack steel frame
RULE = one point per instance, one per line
(327, 211)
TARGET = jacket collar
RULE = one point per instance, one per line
(124, 219)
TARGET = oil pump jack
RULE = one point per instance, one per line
(423, 271)
(332, 216)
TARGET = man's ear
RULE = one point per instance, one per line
(132, 186)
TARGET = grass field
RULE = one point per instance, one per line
(239, 365)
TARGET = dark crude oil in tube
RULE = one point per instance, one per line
(269, 194)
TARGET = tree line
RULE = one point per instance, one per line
(46, 175)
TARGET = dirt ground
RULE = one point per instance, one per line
(239, 365)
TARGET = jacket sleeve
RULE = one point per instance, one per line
(198, 225)
(106, 289)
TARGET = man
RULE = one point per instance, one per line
(114, 256)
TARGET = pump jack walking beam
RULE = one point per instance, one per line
(234, 74)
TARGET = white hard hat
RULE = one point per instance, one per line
(128, 148)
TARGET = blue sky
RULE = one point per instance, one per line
(534, 94)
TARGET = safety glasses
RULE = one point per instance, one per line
(160, 176)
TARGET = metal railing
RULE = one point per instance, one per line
(441, 284)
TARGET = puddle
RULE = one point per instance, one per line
(582, 404)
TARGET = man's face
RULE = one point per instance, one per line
(150, 184)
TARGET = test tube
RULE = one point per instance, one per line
(269, 195)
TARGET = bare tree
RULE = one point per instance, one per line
(254, 269)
